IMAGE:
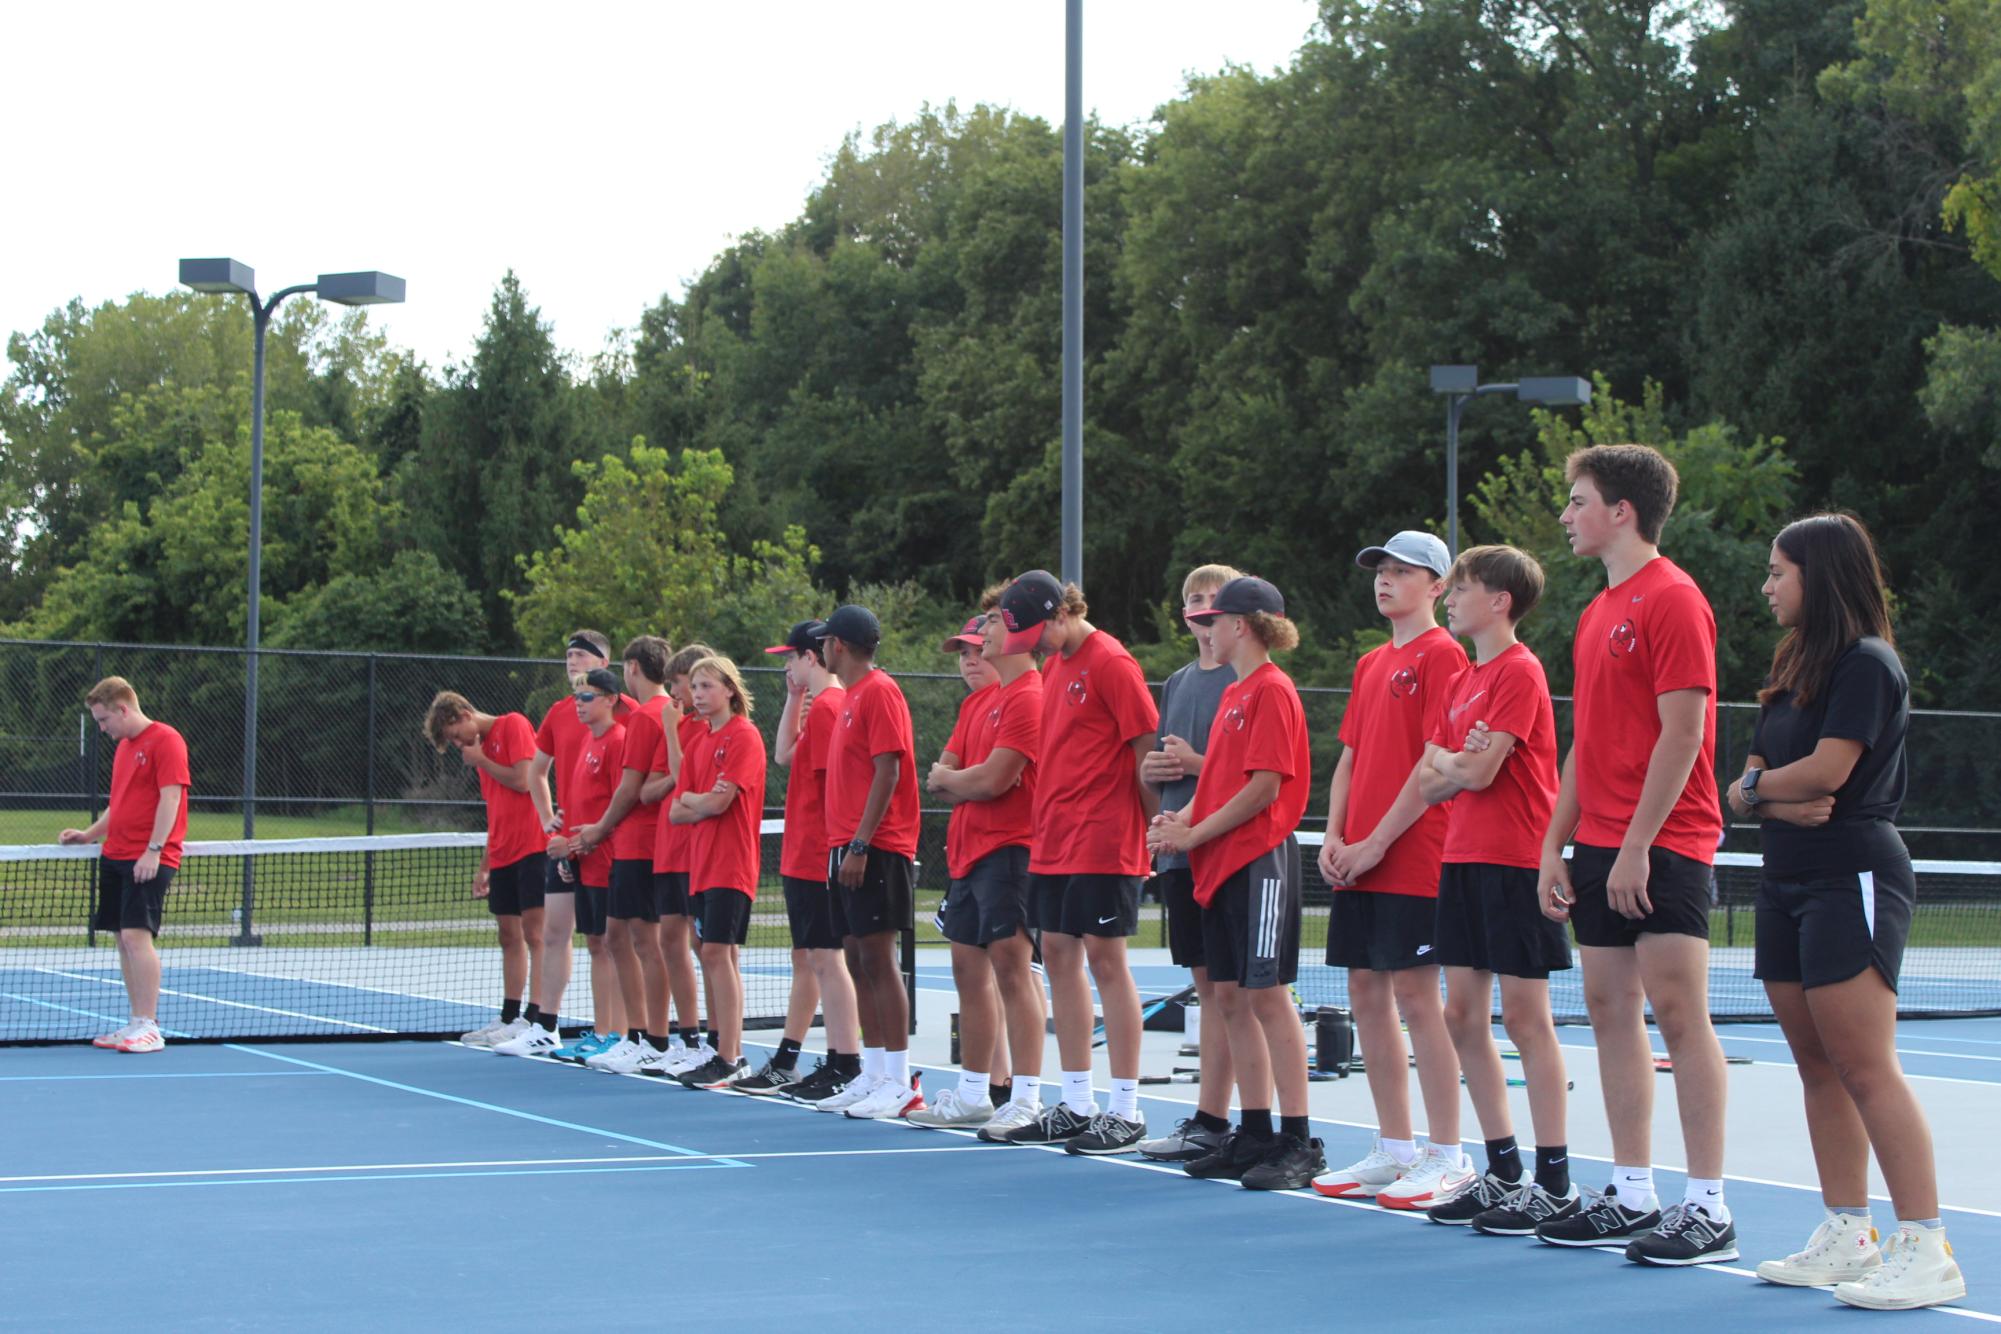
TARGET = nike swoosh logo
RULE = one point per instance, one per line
(1468, 704)
(1558, 1162)
(1424, 949)
(1106, 921)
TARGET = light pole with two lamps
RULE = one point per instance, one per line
(1462, 383)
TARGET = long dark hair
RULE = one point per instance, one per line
(1841, 581)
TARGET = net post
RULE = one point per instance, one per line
(368, 807)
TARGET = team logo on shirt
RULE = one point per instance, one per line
(848, 717)
(1403, 683)
(1078, 690)
(1235, 719)
(141, 758)
(722, 754)
(993, 717)
(593, 760)
(1623, 639)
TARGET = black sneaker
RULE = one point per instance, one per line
(1601, 1221)
(1228, 1161)
(1526, 1209)
(1184, 1144)
(1687, 1236)
(708, 1072)
(1289, 1163)
(1056, 1125)
(1484, 1194)
(769, 1079)
(823, 1083)
(1108, 1133)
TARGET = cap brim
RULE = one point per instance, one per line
(1371, 556)
(1204, 614)
(1023, 641)
(958, 642)
(781, 648)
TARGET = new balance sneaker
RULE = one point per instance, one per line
(1289, 1163)
(853, 1092)
(823, 1083)
(949, 1111)
(1526, 1209)
(888, 1100)
(144, 1036)
(1056, 1124)
(1184, 1144)
(1842, 1249)
(1364, 1178)
(585, 1047)
(1917, 1270)
(1687, 1235)
(484, 1036)
(1486, 1194)
(1436, 1176)
(621, 1058)
(1600, 1220)
(1108, 1133)
(769, 1079)
(1228, 1161)
(537, 1041)
(717, 1075)
(115, 1036)
(1008, 1118)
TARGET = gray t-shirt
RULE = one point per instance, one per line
(1188, 705)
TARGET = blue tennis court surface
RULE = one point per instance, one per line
(410, 1185)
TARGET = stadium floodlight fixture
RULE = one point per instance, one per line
(224, 276)
(1460, 385)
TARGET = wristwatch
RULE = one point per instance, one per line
(858, 847)
(1749, 786)
(156, 847)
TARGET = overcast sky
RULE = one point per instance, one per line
(604, 152)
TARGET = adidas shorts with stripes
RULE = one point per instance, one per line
(1250, 930)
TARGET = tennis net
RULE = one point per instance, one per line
(350, 938)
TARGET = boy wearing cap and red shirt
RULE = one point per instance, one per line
(1238, 836)
(1087, 853)
(1639, 793)
(988, 774)
(872, 818)
(1382, 853)
(673, 898)
(143, 827)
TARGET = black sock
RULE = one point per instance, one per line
(1256, 1122)
(655, 1041)
(1504, 1159)
(847, 1062)
(1295, 1126)
(533, 1013)
(998, 1094)
(1552, 1168)
(547, 1021)
(788, 1055)
(708, 1036)
(510, 1010)
(1211, 1122)
(634, 1034)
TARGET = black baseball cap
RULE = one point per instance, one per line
(1241, 597)
(1025, 605)
(601, 680)
(853, 625)
(968, 637)
(804, 637)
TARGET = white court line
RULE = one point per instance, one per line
(217, 1000)
(1901, 1051)
(1790, 1065)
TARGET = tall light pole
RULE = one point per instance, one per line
(347, 289)
(1462, 383)
(1073, 291)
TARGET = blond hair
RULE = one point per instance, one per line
(725, 671)
(990, 596)
(683, 662)
(110, 693)
(447, 707)
(1073, 602)
(1274, 631)
(1211, 577)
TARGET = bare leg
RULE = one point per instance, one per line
(884, 978)
(1217, 1072)
(804, 998)
(1857, 1020)
(531, 934)
(677, 940)
(1021, 994)
(559, 923)
(1614, 999)
(726, 989)
(1469, 1019)
(651, 1013)
(1437, 1064)
(513, 956)
(1069, 998)
(140, 962)
(837, 999)
(1525, 1012)
(1840, 1140)
(1675, 971)
(1248, 1053)
(1284, 1041)
(979, 1007)
(1387, 1062)
(623, 950)
(871, 1023)
(1120, 997)
(607, 1006)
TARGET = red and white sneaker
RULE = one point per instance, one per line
(889, 1101)
(143, 1037)
(1370, 1175)
(115, 1036)
(1436, 1176)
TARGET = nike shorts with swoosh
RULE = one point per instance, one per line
(1085, 905)
(1381, 932)
(1250, 930)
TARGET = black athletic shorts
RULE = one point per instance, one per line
(1176, 887)
(518, 886)
(593, 901)
(1381, 932)
(632, 891)
(990, 903)
(552, 878)
(1677, 887)
(1826, 929)
(1490, 918)
(1250, 930)
(125, 904)
(1085, 905)
(886, 900)
(722, 916)
(809, 911)
(670, 895)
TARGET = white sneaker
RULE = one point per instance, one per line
(656, 1063)
(484, 1036)
(621, 1058)
(144, 1036)
(681, 1060)
(856, 1090)
(116, 1035)
(1009, 1117)
(1841, 1250)
(949, 1110)
(537, 1041)
(1917, 1270)
(888, 1100)
(1436, 1176)
(1367, 1177)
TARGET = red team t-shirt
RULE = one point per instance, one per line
(1635, 642)
(994, 718)
(875, 720)
(722, 850)
(140, 767)
(633, 840)
(562, 735)
(1396, 693)
(600, 761)
(512, 829)
(1504, 824)
(1088, 817)
(1260, 727)
(670, 840)
(803, 851)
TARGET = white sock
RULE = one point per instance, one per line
(1077, 1095)
(1708, 1197)
(872, 1062)
(1403, 1150)
(1453, 1155)
(1027, 1091)
(1125, 1099)
(1634, 1187)
(898, 1066)
(974, 1088)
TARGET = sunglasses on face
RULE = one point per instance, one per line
(585, 696)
